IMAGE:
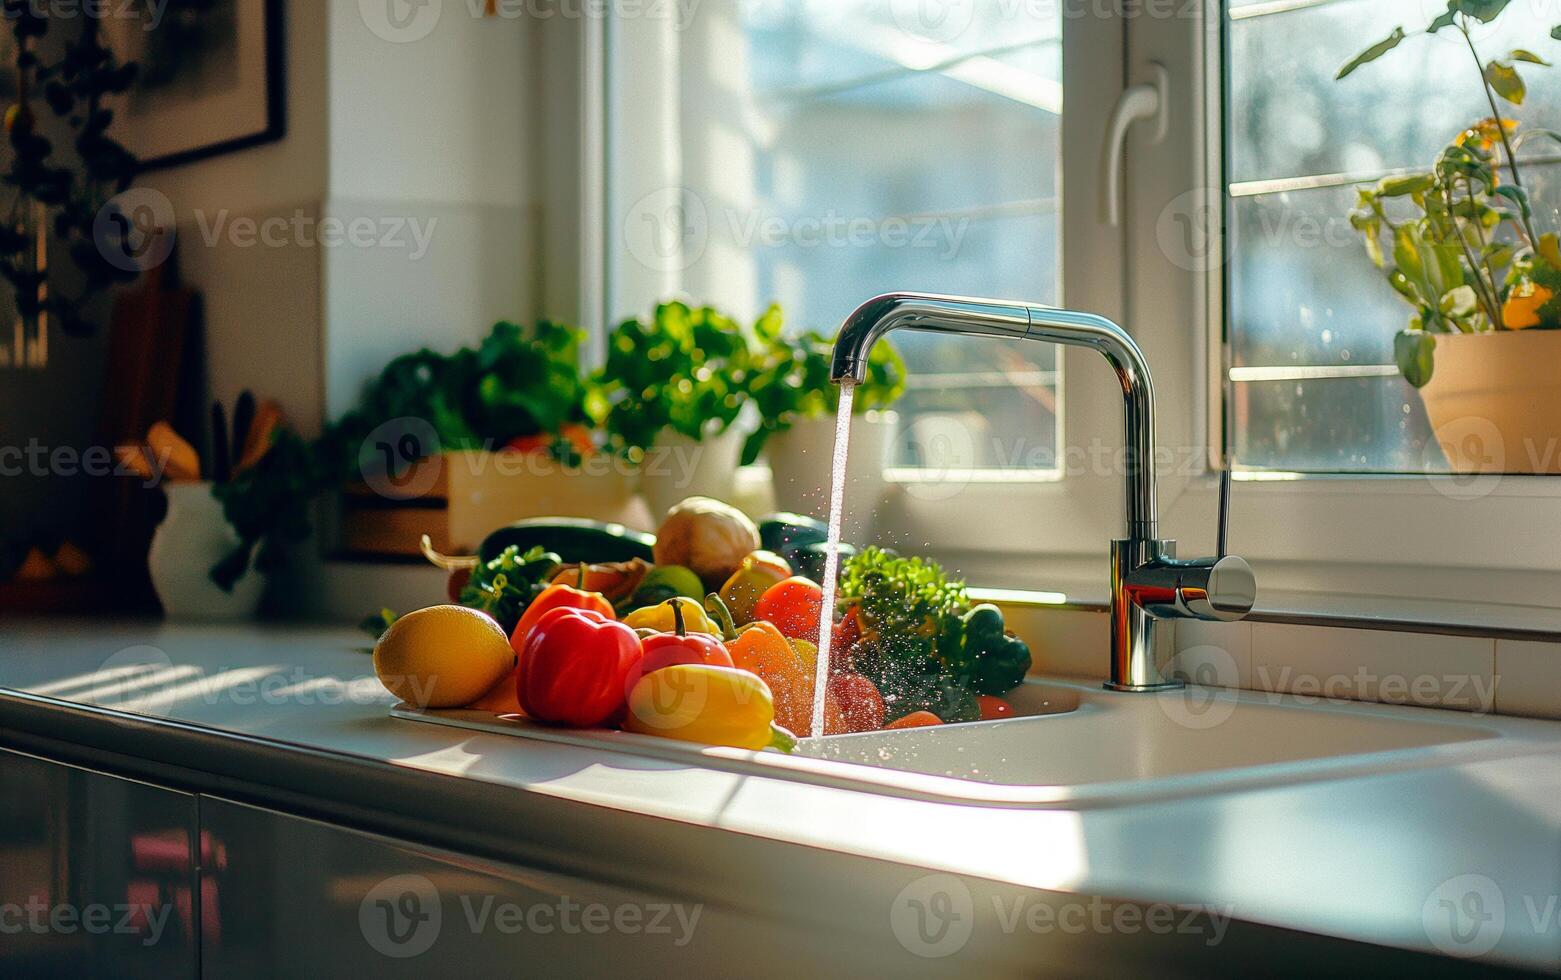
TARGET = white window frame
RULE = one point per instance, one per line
(1409, 536)
(1392, 536)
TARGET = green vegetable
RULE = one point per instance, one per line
(808, 560)
(504, 586)
(662, 583)
(791, 381)
(991, 660)
(781, 531)
(575, 539)
(907, 602)
(517, 382)
(911, 614)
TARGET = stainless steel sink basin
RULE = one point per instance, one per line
(1076, 744)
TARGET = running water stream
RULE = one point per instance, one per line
(837, 496)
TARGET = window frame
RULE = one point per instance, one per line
(1390, 535)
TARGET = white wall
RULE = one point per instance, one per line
(431, 136)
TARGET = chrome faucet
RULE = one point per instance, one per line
(1148, 582)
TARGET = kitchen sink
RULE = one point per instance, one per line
(1072, 743)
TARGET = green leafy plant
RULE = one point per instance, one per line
(686, 370)
(72, 88)
(921, 643)
(1459, 243)
(792, 382)
(516, 383)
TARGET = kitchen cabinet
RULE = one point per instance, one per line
(98, 874)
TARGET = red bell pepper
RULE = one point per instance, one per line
(573, 668)
(558, 596)
(678, 648)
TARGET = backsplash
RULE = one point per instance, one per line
(1482, 675)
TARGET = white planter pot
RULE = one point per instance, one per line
(802, 459)
(192, 538)
(677, 467)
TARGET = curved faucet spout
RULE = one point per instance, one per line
(1001, 318)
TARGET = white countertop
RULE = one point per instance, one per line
(1363, 858)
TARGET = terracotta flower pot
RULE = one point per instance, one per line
(1494, 401)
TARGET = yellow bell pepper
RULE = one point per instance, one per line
(659, 618)
(708, 705)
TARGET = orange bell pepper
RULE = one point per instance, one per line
(762, 649)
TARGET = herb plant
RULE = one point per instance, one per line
(686, 369)
(921, 643)
(1459, 243)
(792, 381)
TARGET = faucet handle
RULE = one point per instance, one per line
(1224, 521)
(1219, 589)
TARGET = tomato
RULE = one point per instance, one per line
(795, 606)
(861, 707)
(994, 707)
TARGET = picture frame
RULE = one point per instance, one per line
(212, 79)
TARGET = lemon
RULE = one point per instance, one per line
(442, 656)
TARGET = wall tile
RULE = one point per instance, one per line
(1528, 678)
(1213, 654)
(1071, 642)
(1375, 665)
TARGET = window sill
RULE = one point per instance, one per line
(1500, 621)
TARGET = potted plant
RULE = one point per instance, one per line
(493, 433)
(673, 387)
(797, 404)
(229, 509)
(1462, 246)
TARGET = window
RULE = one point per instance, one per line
(1310, 320)
(818, 152)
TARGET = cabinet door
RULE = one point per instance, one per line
(97, 874)
(295, 897)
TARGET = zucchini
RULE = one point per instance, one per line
(808, 560)
(573, 539)
(780, 532)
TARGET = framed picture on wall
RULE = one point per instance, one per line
(210, 79)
